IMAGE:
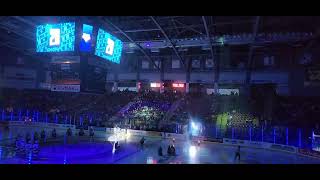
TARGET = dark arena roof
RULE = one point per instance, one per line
(159, 90)
(18, 32)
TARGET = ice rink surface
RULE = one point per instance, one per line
(75, 150)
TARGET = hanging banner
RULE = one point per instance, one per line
(195, 63)
(145, 64)
(209, 63)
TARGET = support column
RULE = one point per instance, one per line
(1, 93)
(83, 73)
(216, 71)
(162, 64)
(138, 83)
(115, 86)
(188, 71)
(40, 76)
(138, 86)
(187, 87)
(116, 80)
(216, 88)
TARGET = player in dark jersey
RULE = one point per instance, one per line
(237, 154)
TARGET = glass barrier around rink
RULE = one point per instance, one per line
(302, 138)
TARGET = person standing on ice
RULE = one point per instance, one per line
(91, 132)
(142, 141)
(54, 133)
(160, 151)
(116, 145)
(237, 155)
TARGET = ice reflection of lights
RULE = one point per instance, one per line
(192, 151)
(113, 148)
(30, 158)
(65, 159)
(150, 160)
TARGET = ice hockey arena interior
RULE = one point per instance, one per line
(159, 90)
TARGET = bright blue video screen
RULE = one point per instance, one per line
(108, 47)
(86, 38)
(55, 37)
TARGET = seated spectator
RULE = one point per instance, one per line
(81, 132)
(43, 134)
(69, 132)
(35, 136)
(54, 133)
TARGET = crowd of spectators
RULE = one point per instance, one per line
(62, 104)
(148, 108)
(144, 110)
(297, 111)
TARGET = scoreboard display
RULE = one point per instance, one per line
(55, 37)
(108, 47)
(86, 38)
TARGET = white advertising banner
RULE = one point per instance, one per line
(65, 59)
(65, 88)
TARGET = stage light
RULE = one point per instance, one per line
(119, 135)
(195, 128)
(132, 45)
(128, 135)
(178, 85)
(155, 85)
(86, 37)
(192, 151)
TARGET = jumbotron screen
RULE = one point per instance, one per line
(108, 47)
(86, 38)
(55, 37)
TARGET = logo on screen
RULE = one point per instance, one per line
(86, 37)
(54, 37)
(110, 47)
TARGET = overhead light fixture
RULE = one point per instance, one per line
(183, 49)
(205, 48)
(130, 51)
(132, 45)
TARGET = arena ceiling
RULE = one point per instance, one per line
(18, 32)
